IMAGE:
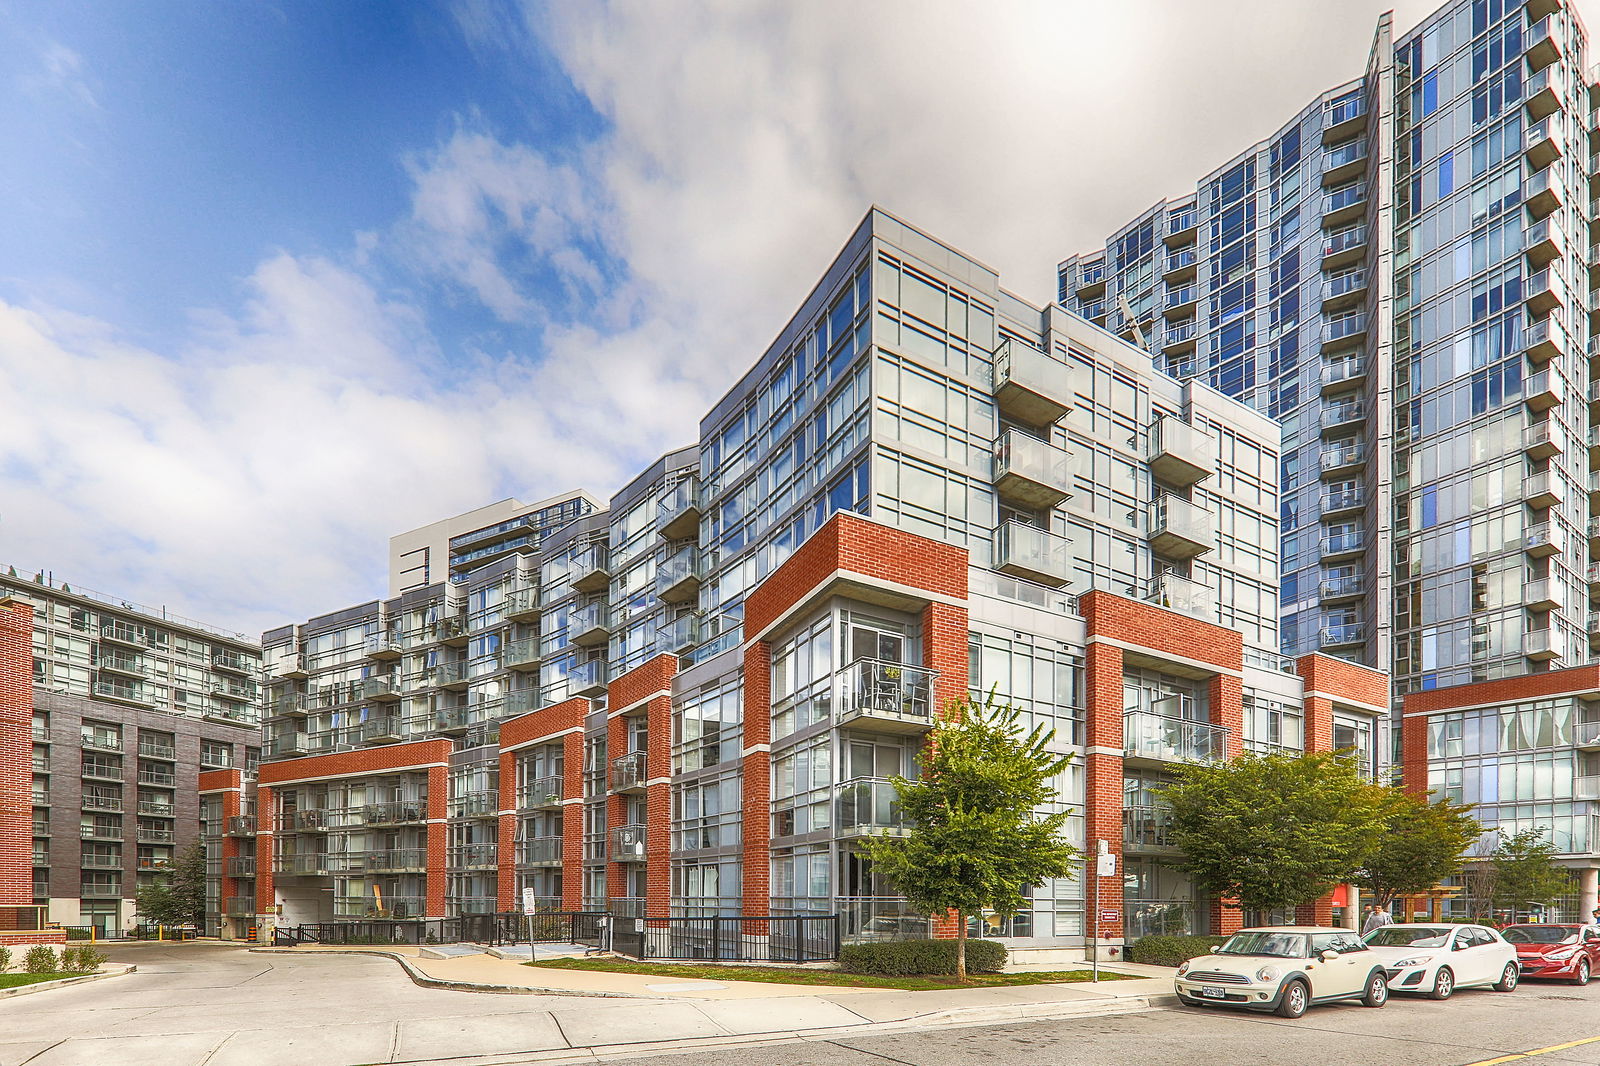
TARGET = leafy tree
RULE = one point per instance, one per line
(179, 898)
(975, 842)
(1274, 830)
(1421, 844)
(1525, 872)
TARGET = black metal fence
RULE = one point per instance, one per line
(493, 930)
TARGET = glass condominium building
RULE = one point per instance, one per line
(1400, 276)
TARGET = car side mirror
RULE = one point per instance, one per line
(1329, 955)
(1214, 948)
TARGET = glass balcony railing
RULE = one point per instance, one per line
(1180, 453)
(1158, 737)
(1346, 283)
(1345, 326)
(867, 805)
(520, 653)
(1339, 586)
(678, 575)
(1344, 634)
(122, 692)
(1033, 553)
(101, 741)
(447, 674)
(629, 771)
(1183, 219)
(678, 512)
(1344, 240)
(539, 851)
(1187, 294)
(1342, 543)
(1343, 110)
(586, 677)
(1178, 527)
(1185, 595)
(541, 792)
(679, 635)
(1349, 196)
(1350, 152)
(628, 843)
(1181, 259)
(1178, 333)
(1342, 455)
(1032, 387)
(114, 662)
(878, 687)
(1031, 471)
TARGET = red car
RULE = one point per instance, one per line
(1565, 952)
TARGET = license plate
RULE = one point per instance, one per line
(1213, 992)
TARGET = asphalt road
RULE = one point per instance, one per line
(1472, 1027)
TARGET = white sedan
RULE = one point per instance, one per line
(1438, 959)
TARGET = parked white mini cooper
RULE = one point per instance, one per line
(1285, 968)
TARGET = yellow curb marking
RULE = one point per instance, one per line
(1537, 1051)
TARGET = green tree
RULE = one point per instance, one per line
(975, 842)
(1273, 830)
(180, 897)
(1525, 871)
(1421, 844)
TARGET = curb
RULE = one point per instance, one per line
(45, 986)
(420, 977)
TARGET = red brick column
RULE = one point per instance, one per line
(16, 753)
(438, 836)
(944, 648)
(616, 807)
(266, 823)
(506, 824)
(1226, 917)
(1319, 724)
(572, 821)
(1227, 710)
(757, 779)
(658, 809)
(1102, 781)
(1414, 754)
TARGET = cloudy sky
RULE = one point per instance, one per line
(278, 280)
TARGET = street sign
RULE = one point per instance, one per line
(530, 901)
(1110, 916)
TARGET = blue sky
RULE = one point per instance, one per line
(278, 280)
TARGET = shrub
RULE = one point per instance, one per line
(5, 959)
(83, 959)
(1170, 950)
(910, 958)
(40, 959)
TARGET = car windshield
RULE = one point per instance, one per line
(1408, 936)
(1541, 934)
(1276, 945)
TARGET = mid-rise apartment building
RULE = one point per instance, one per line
(1400, 275)
(123, 707)
(688, 700)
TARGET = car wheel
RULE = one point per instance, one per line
(1444, 983)
(1295, 999)
(1508, 979)
(1582, 977)
(1377, 990)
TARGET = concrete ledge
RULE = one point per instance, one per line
(418, 977)
(45, 986)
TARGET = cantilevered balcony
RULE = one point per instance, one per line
(1341, 588)
(289, 746)
(1179, 265)
(450, 675)
(521, 605)
(1344, 205)
(1542, 193)
(385, 730)
(678, 512)
(541, 793)
(1541, 44)
(1344, 544)
(1544, 241)
(1541, 441)
(1339, 458)
(1542, 594)
(1540, 645)
(124, 634)
(678, 576)
(678, 635)
(1033, 554)
(589, 625)
(1344, 290)
(627, 843)
(1184, 595)
(1342, 635)
(587, 679)
(1344, 331)
(1543, 144)
(629, 772)
(1541, 391)
(591, 569)
(1539, 540)
(1030, 473)
(380, 688)
(1180, 529)
(1031, 387)
(1543, 489)
(1179, 338)
(1181, 454)
(1090, 281)
(1341, 374)
(1344, 162)
(1157, 738)
(1344, 247)
(451, 631)
(1180, 302)
(384, 646)
(1182, 225)
(1543, 341)
(124, 692)
(112, 662)
(887, 697)
(233, 663)
(1343, 119)
(1342, 501)
(520, 654)
(1543, 94)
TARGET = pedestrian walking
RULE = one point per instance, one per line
(1376, 918)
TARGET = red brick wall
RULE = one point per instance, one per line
(230, 783)
(756, 792)
(26, 938)
(1414, 753)
(944, 648)
(1506, 689)
(1166, 632)
(642, 683)
(16, 753)
(1102, 779)
(367, 760)
(1226, 696)
(1342, 678)
(544, 724)
(506, 873)
(846, 542)
(1319, 724)
(571, 821)
(438, 838)
(266, 820)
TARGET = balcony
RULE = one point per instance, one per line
(1179, 265)
(380, 688)
(1586, 735)
(1091, 280)
(1030, 473)
(1542, 94)
(1540, 46)
(629, 772)
(481, 856)
(88, 861)
(1343, 119)
(293, 665)
(887, 697)
(100, 832)
(1340, 501)
(1344, 290)
(591, 569)
(1157, 738)
(521, 654)
(1541, 441)
(1542, 341)
(1180, 302)
(292, 705)
(678, 512)
(545, 792)
(1543, 243)
(679, 635)
(474, 805)
(151, 835)
(289, 745)
(1343, 635)
(1178, 338)
(1344, 205)
(101, 742)
(1340, 459)
(229, 689)
(90, 891)
(1541, 391)
(678, 576)
(1182, 224)
(1594, 633)
(1542, 144)
(587, 679)
(547, 850)
(239, 866)
(110, 662)
(1033, 554)
(123, 692)
(1342, 373)
(1144, 828)
(521, 605)
(158, 810)
(397, 812)
(240, 825)
(1184, 595)
(1180, 454)
(1542, 195)
(386, 730)
(451, 631)
(383, 646)
(868, 806)
(396, 860)
(1344, 247)
(1542, 594)
(1592, 576)
(1180, 529)
(1344, 163)
(150, 749)
(1539, 540)
(1586, 788)
(1343, 545)
(124, 634)
(1031, 387)
(313, 820)
(1341, 588)
(627, 843)
(450, 675)
(104, 771)
(389, 907)
(1344, 331)
(1540, 645)
(111, 804)
(1542, 490)
(232, 663)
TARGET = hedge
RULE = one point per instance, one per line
(1170, 950)
(909, 958)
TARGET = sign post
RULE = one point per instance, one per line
(530, 903)
(1105, 865)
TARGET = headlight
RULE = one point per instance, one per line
(1563, 955)
(1267, 974)
(1403, 963)
(1183, 968)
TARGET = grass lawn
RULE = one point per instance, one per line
(15, 980)
(774, 975)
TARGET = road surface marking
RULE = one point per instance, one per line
(1537, 1051)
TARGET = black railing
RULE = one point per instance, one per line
(493, 930)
